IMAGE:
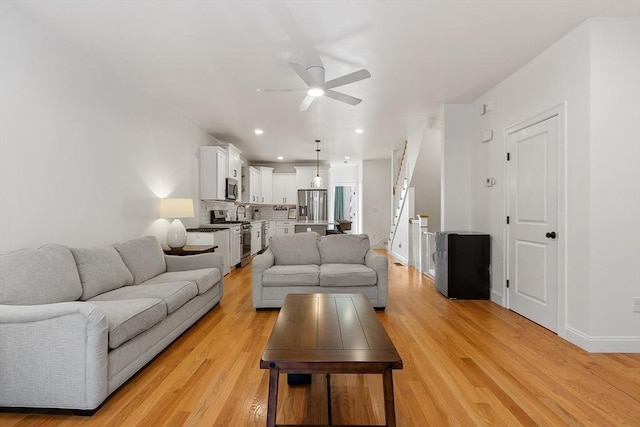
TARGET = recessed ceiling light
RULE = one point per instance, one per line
(280, 158)
(258, 131)
(347, 157)
(359, 130)
(315, 91)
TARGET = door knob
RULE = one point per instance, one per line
(551, 235)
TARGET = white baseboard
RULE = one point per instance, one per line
(604, 344)
(497, 298)
(381, 243)
(400, 258)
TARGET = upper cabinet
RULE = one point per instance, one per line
(285, 188)
(266, 185)
(213, 171)
(235, 164)
(251, 186)
(305, 175)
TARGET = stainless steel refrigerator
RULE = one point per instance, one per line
(463, 264)
(312, 205)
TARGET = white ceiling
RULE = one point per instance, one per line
(206, 59)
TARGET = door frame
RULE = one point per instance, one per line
(356, 188)
(559, 111)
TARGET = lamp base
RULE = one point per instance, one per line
(177, 235)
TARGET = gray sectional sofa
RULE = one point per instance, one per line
(308, 263)
(75, 324)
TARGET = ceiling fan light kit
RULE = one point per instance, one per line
(315, 91)
(313, 76)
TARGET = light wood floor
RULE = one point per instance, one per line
(467, 363)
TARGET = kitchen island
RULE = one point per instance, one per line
(319, 227)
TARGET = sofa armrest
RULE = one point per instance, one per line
(193, 262)
(53, 355)
(258, 265)
(380, 264)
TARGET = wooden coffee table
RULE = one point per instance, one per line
(329, 333)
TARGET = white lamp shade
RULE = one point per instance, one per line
(176, 208)
(177, 235)
(317, 182)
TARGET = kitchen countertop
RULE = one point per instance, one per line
(210, 228)
(311, 222)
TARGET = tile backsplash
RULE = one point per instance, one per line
(268, 212)
(272, 212)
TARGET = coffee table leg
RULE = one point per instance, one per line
(389, 406)
(274, 376)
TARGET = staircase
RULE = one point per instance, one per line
(399, 193)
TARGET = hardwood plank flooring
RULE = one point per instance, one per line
(466, 363)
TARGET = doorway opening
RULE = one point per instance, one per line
(345, 207)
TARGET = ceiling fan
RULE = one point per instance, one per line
(313, 76)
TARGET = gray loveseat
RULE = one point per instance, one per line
(75, 324)
(308, 263)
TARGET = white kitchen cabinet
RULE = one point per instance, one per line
(235, 164)
(236, 244)
(200, 239)
(266, 185)
(256, 237)
(285, 227)
(213, 171)
(251, 187)
(285, 189)
(271, 230)
(305, 175)
(222, 239)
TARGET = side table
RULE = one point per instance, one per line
(191, 250)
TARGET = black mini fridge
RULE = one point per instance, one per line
(463, 262)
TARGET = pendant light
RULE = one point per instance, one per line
(317, 181)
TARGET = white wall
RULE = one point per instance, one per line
(83, 157)
(426, 178)
(592, 75)
(456, 162)
(376, 200)
(614, 230)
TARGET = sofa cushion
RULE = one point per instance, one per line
(143, 257)
(291, 275)
(295, 249)
(347, 275)
(129, 318)
(205, 278)
(101, 270)
(39, 276)
(174, 294)
(343, 248)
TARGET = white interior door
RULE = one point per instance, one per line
(533, 222)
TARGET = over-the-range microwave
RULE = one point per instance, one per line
(231, 189)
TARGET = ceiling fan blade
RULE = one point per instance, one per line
(348, 78)
(306, 102)
(343, 97)
(303, 73)
(282, 90)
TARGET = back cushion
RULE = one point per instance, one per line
(39, 276)
(295, 249)
(143, 257)
(344, 248)
(101, 270)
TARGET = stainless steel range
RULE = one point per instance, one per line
(218, 219)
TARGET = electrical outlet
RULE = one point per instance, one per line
(636, 304)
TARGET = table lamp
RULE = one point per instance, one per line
(176, 208)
